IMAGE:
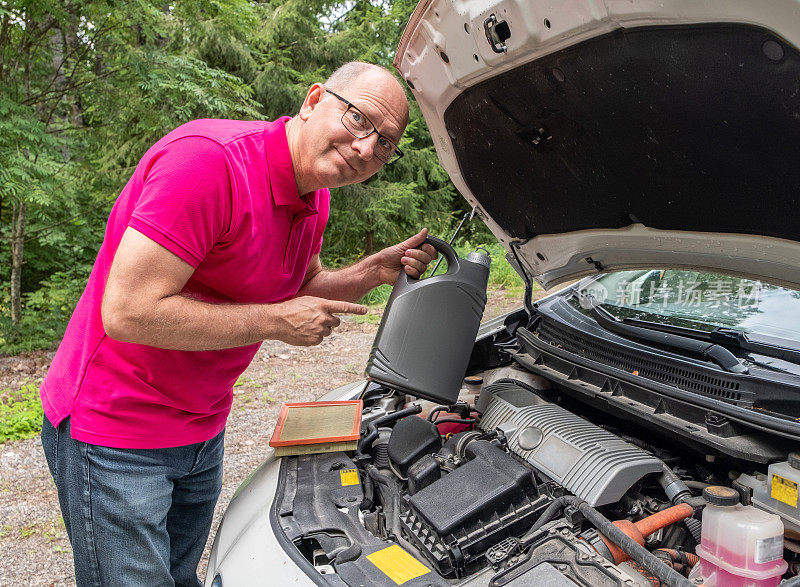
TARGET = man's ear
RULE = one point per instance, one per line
(313, 97)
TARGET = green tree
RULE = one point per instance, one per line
(87, 87)
(301, 43)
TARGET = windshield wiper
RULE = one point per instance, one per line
(706, 349)
(770, 346)
(778, 348)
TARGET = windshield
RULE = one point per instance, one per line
(699, 300)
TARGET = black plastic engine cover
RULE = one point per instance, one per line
(454, 520)
(422, 473)
(412, 438)
(490, 481)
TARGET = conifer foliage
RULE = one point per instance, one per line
(87, 86)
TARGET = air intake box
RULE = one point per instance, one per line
(457, 518)
(488, 482)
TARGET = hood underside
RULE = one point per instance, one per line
(619, 140)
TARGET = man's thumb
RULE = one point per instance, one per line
(417, 239)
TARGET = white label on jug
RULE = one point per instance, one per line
(769, 549)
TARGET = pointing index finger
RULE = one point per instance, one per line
(339, 307)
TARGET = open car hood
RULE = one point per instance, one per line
(619, 134)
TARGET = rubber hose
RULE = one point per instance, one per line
(369, 493)
(695, 528)
(679, 560)
(697, 485)
(638, 553)
(550, 513)
(455, 421)
(673, 485)
(372, 427)
(696, 501)
(378, 476)
(643, 528)
(688, 558)
(435, 411)
(663, 519)
(691, 558)
(678, 491)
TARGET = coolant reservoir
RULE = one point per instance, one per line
(741, 546)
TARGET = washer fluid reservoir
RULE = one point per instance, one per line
(429, 326)
(741, 546)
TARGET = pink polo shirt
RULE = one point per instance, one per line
(221, 195)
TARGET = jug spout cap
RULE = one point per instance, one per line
(480, 258)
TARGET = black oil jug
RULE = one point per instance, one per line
(429, 326)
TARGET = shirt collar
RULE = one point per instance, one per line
(280, 170)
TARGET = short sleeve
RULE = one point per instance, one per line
(186, 199)
(323, 209)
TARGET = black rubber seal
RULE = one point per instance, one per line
(287, 545)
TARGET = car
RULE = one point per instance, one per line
(639, 426)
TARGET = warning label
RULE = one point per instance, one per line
(784, 490)
(349, 477)
(397, 564)
(769, 549)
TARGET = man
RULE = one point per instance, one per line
(212, 247)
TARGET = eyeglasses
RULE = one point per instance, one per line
(358, 125)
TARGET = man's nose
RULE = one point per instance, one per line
(364, 146)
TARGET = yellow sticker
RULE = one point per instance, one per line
(784, 490)
(397, 564)
(349, 477)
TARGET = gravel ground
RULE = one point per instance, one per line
(34, 546)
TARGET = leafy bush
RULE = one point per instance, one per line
(501, 273)
(20, 413)
(46, 312)
(377, 297)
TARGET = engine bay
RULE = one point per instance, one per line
(518, 483)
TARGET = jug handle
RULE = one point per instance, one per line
(446, 251)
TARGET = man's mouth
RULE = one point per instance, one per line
(346, 161)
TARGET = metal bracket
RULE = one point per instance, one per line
(497, 32)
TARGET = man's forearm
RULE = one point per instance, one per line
(349, 284)
(180, 323)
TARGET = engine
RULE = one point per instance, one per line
(471, 488)
(516, 486)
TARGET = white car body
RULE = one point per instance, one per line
(444, 53)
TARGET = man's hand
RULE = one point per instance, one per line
(143, 304)
(306, 320)
(405, 256)
(352, 283)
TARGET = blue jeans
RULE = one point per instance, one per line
(134, 516)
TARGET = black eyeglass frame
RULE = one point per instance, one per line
(374, 130)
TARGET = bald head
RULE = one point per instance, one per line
(325, 152)
(351, 72)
